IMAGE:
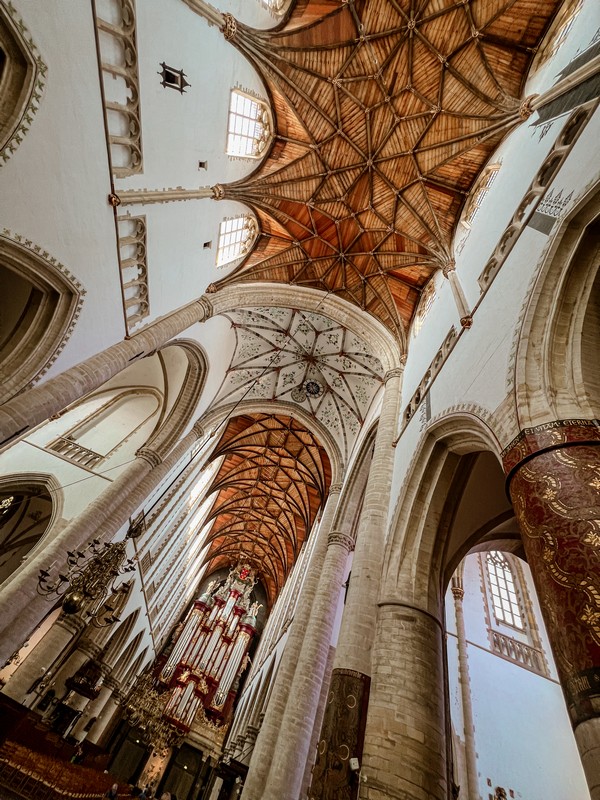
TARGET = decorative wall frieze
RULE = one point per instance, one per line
(119, 61)
(547, 436)
(28, 98)
(433, 369)
(133, 261)
(537, 191)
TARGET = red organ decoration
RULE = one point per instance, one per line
(210, 654)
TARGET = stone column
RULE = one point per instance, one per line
(270, 731)
(289, 759)
(23, 607)
(108, 711)
(93, 709)
(36, 405)
(458, 594)
(554, 483)
(46, 653)
(343, 726)
(84, 651)
(464, 312)
(314, 740)
(405, 738)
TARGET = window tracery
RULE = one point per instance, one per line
(425, 303)
(249, 126)
(504, 594)
(482, 187)
(236, 236)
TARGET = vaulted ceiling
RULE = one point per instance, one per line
(386, 111)
(306, 359)
(274, 478)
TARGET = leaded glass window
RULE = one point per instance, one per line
(249, 126)
(236, 236)
(504, 595)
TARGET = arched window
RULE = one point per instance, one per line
(482, 187)
(236, 237)
(503, 593)
(425, 303)
(249, 126)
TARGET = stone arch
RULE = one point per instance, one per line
(555, 374)
(123, 663)
(22, 79)
(33, 515)
(417, 555)
(118, 640)
(45, 302)
(182, 411)
(233, 296)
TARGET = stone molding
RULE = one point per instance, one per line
(124, 32)
(39, 349)
(31, 95)
(150, 456)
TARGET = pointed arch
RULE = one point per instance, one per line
(22, 80)
(39, 306)
(555, 374)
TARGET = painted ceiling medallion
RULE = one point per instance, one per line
(287, 355)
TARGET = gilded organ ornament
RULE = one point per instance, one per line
(211, 652)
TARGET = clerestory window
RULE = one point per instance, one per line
(236, 236)
(249, 126)
(484, 184)
(425, 303)
(504, 595)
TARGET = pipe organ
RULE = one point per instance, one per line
(211, 651)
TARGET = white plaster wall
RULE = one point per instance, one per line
(53, 189)
(582, 32)
(180, 130)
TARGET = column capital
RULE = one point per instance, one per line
(548, 436)
(198, 429)
(340, 539)
(458, 592)
(71, 623)
(335, 488)
(149, 455)
(206, 306)
(396, 372)
(448, 267)
(218, 191)
(89, 648)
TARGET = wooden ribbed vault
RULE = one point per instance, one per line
(386, 111)
(273, 480)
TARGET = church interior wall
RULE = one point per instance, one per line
(484, 384)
